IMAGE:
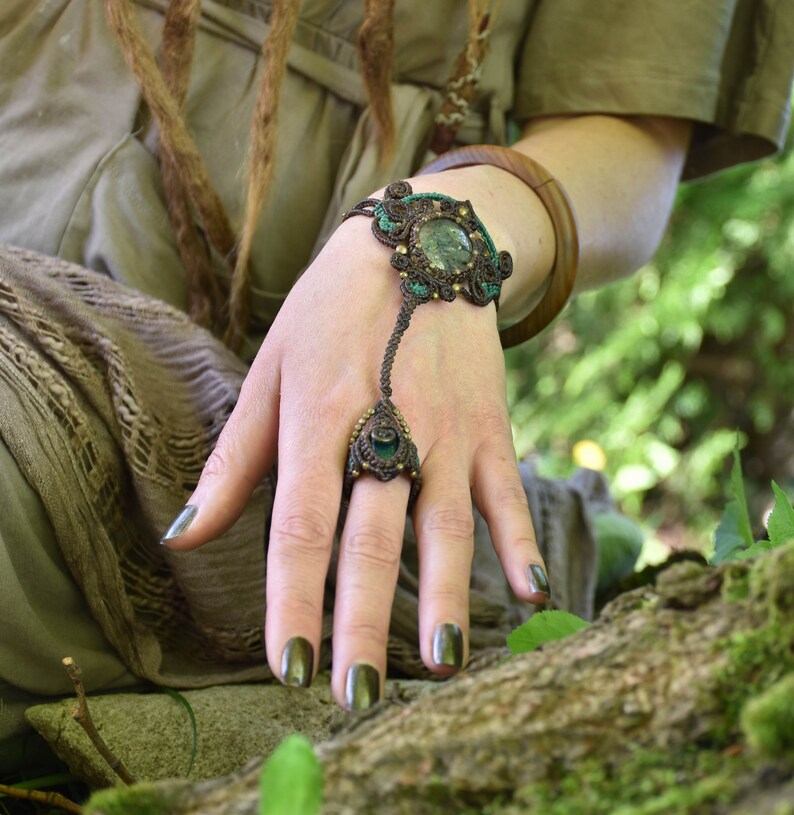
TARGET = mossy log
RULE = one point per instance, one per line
(642, 712)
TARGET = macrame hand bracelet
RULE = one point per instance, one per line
(441, 250)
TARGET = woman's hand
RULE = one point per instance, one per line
(315, 374)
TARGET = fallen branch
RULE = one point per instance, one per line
(82, 716)
(52, 798)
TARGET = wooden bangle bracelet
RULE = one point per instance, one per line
(563, 218)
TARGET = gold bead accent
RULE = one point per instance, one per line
(403, 275)
(463, 211)
(469, 265)
(402, 248)
(456, 287)
(414, 474)
(418, 245)
(364, 465)
(457, 220)
(355, 473)
(475, 252)
(408, 436)
(352, 440)
(436, 295)
(359, 425)
(472, 235)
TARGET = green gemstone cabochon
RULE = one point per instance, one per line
(384, 442)
(445, 243)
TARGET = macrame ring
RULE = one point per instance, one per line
(563, 218)
(441, 250)
(381, 445)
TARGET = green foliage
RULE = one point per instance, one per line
(733, 539)
(176, 696)
(543, 626)
(292, 779)
(734, 533)
(661, 369)
(781, 521)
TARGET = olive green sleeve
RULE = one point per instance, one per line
(725, 64)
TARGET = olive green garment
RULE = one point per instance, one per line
(79, 177)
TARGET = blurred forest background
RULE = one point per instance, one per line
(653, 378)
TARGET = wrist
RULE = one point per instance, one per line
(515, 218)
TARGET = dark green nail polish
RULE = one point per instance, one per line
(297, 663)
(362, 686)
(538, 582)
(448, 645)
(181, 523)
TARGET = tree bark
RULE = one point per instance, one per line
(642, 708)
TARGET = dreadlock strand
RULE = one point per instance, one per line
(261, 156)
(174, 137)
(376, 55)
(205, 298)
(461, 86)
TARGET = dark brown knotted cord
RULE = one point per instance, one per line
(442, 251)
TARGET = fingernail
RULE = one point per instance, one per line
(538, 582)
(362, 687)
(448, 645)
(181, 523)
(297, 663)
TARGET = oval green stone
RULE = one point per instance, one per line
(445, 243)
(384, 442)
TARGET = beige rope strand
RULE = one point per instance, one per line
(174, 137)
(261, 156)
(205, 297)
(376, 54)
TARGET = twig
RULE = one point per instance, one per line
(82, 716)
(53, 798)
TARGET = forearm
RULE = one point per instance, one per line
(620, 174)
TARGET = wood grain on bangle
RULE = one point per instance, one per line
(563, 218)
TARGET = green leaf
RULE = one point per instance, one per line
(291, 782)
(781, 521)
(727, 539)
(756, 549)
(737, 483)
(185, 704)
(543, 626)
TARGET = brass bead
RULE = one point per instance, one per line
(472, 235)
(400, 467)
(364, 465)
(463, 211)
(355, 473)
(403, 275)
(414, 473)
(435, 295)
(402, 248)
(456, 287)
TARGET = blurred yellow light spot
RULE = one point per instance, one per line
(587, 453)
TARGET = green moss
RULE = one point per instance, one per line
(681, 782)
(140, 799)
(735, 583)
(758, 657)
(768, 720)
